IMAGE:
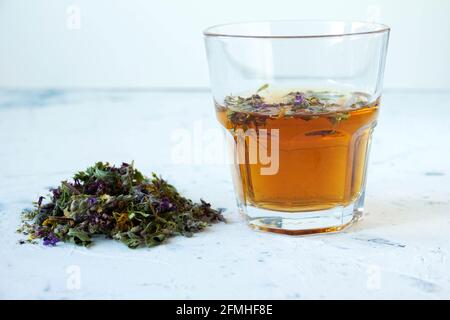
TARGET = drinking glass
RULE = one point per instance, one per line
(298, 102)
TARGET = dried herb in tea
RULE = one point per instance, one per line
(255, 110)
(119, 203)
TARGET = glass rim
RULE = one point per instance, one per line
(378, 28)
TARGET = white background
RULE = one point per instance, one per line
(401, 250)
(159, 44)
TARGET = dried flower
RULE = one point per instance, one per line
(299, 99)
(50, 239)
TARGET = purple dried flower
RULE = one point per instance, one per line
(40, 232)
(257, 105)
(261, 105)
(92, 201)
(50, 239)
(165, 205)
(299, 99)
(96, 188)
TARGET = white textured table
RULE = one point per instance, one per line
(400, 250)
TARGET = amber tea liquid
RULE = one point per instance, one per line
(323, 148)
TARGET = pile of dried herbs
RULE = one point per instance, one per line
(119, 203)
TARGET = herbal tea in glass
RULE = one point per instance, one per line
(323, 139)
(300, 142)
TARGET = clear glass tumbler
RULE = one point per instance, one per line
(298, 101)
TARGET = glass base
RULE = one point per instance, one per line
(304, 223)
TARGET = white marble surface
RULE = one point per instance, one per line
(400, 250)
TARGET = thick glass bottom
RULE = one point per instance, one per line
(304, 223)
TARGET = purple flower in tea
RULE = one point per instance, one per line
(299, 99)
(262, 105)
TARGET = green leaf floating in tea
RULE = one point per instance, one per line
(119, 203)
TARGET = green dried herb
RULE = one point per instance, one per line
(262, 88)
(119, 203)
(336, 118)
